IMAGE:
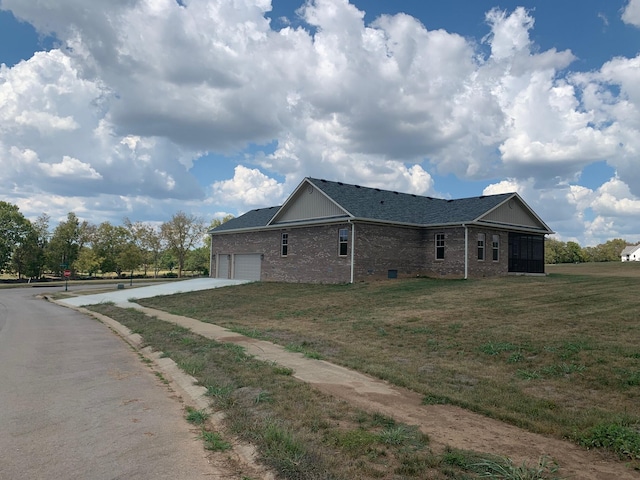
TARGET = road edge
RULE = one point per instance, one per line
(184, 385)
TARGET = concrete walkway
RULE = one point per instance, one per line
(169, 288)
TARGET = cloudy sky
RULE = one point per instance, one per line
(141, 108)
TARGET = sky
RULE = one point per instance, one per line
(143, 108)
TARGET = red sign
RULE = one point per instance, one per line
(67, 273)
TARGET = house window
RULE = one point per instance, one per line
(439, 246)
(496, 247)
(343, 242)
(284, 245)
(481, 246)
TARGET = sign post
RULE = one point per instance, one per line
(67, 274)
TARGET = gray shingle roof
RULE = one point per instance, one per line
(385, 205)
(382, 205)
(255, 218)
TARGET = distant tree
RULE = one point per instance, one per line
(553, 251)
(612, 249)
(149, 240)
(198, 260)
(573, 253)
(108, 242)
(14, 229)
(88, 261)
(181, 234)
(65, 244)
(167, 261)
(130, 258)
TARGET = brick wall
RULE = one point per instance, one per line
(381, 248)
(312, 255)
(488, 267)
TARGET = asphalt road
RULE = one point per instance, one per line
(76, 402)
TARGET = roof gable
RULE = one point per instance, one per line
(307, 202)
(514, 212)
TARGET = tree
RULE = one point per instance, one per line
(130, 258)
(67, 239)
(573, 253)
(14, 229)
(553, 251)
(108, 242)
(198, 260)
(182, 233)
(149, 240)
(87, 261)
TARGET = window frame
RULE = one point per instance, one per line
(439, 240)
(343, 242)
(481, 247)
(495, 246)
(284, 244)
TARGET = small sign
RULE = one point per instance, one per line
(67, 273)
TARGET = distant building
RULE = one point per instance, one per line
(331, 232)
(631, 254)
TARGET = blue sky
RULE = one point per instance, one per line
(146, 107)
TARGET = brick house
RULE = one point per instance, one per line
(331, 232)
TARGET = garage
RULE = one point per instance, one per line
(247, 266)
(223, 266)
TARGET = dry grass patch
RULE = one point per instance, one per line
(557, 354)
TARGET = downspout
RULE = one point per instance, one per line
(211, 272)
(353, 249)
(466, 251)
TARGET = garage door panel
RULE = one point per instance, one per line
(223, 266)
(247, 267)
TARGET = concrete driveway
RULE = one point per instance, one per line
(120, 297)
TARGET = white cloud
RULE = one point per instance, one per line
(71, 168)
(631, 13)
(248, 188)
(139, 89)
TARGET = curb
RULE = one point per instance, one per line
(183, 384)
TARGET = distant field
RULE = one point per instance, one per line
(557, 354)
(608, 269)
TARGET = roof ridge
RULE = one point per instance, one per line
(343, 184)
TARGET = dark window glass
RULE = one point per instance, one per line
(481, 246)
(284, 245)
(439, 246)
(343, 242)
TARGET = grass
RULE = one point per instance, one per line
(558, 355)
(298, 431)
(197, 417)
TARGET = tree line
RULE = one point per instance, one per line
(556, 251)
(29, 249)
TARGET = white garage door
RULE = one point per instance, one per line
(247, 267)
(223, 266)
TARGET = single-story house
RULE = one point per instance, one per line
(332, 232)
(630, 254)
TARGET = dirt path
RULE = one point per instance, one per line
(446, 425)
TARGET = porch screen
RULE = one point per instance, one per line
(526, 253)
